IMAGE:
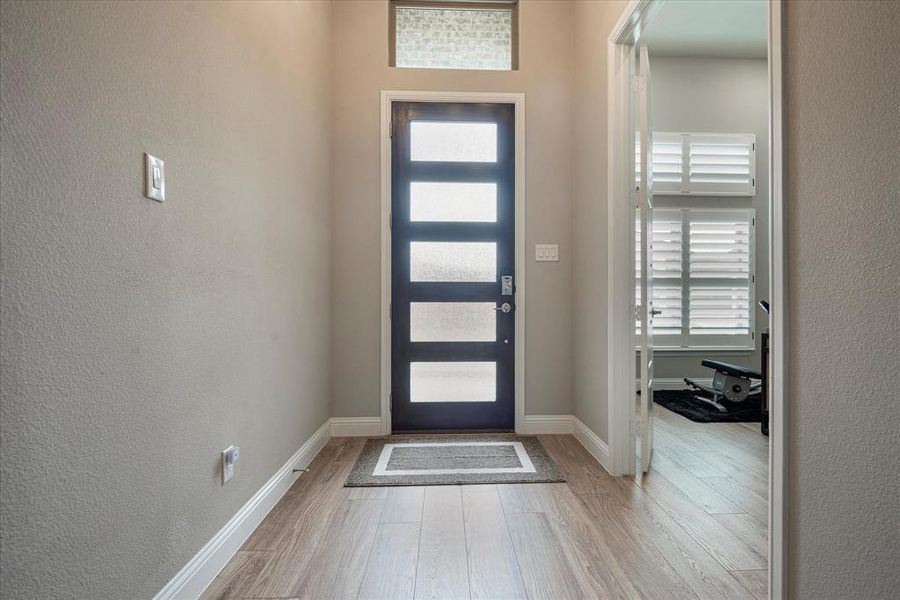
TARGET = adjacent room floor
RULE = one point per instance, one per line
(695, 528)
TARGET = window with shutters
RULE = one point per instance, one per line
(703, 278)
(702, 164)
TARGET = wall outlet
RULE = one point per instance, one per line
(229, 458)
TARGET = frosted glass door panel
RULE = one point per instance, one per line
(453, 382)
(453, 141)
(452, 322)
(453, 261)
(453, 202)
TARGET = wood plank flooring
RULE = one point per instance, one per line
(693, 528)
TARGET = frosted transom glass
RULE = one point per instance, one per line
(453, 261)
(449, 201)
(453, 382)
(453, 141)
(452, 322)
(452, 38)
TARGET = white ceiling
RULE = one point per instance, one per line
(722, 28)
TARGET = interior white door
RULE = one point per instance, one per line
(645, 309)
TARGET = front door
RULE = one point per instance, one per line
(452, 266)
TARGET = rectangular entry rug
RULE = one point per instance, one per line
(453, 459)
(684, 403)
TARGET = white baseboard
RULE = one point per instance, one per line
(203, 568)
(548, 424)
(200, 571)
(592, 443)
(569, 424)
(356, 427)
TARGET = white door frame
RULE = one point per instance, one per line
(517, 99)
(621, 363)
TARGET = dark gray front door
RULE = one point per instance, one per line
(453, 266)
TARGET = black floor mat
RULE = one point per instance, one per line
(685, 404)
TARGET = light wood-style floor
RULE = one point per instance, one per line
(693, 529)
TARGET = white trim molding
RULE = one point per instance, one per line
(572, 425)
(357, 426)
(592, 443)
(548, 424)
(517, 99)
(203, 568)
(778, 324)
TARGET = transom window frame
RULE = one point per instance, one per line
(685, 341)
(511, 5)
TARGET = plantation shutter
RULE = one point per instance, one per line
(667, 275)
(703, 277)
(701, 164)
(720, 277)
(666, 160)
(722, 164)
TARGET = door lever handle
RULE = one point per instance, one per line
(505, 308)
(654, 311)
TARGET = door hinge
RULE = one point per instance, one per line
(390, 220)
(752, 335)
(637, 82)
(391, 129)
(391, 401)
(390, 311)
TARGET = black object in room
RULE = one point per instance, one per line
(685, 404)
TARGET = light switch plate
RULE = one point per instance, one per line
(154, 178)
(229, 457)
(546, 252)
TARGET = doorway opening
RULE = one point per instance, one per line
(696, 260)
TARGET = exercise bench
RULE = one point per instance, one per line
(731, 382)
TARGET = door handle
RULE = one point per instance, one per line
(655, 312)
(505, 308)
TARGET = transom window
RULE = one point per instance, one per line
(454, 35)
(703, 278)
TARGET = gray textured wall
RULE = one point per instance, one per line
(361, 72)
(717, 95)
(140, 339)
(843, 218)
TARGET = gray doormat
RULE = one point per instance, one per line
(453, 459)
